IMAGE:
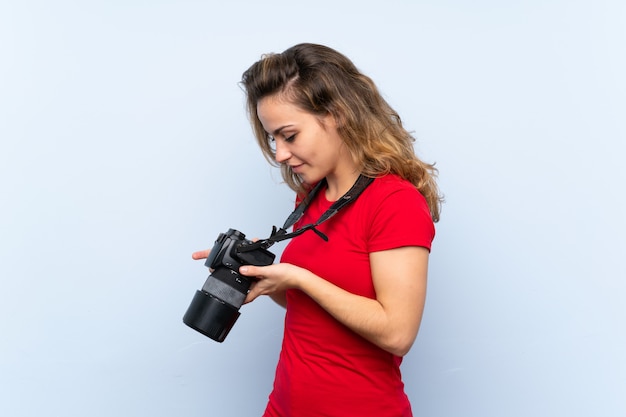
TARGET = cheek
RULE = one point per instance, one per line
(320, 154)
(319, 149)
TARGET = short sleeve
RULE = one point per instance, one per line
(400, 217)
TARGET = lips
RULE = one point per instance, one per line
(296, 168)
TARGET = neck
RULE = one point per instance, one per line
(337, 186)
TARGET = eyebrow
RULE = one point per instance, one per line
(277, 131)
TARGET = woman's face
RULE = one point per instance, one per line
(310, 145)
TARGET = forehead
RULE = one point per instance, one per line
(275, 113)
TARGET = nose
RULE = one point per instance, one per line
(282, 152)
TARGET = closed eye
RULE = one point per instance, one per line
(290, 138)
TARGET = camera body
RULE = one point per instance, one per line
(215, 308)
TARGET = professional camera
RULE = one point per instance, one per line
(215, 308)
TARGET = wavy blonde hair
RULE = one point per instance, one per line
(322, 81)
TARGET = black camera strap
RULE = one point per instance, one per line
(281, 234)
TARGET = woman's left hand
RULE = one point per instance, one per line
(271, 279)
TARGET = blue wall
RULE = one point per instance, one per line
(124, 146)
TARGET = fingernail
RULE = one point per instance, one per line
(243, 269)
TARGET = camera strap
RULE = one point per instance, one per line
(281, 234)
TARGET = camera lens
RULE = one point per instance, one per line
(210, 316)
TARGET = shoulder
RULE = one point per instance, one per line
(397, 214)
(392, 186)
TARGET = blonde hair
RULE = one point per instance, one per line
(322, 81)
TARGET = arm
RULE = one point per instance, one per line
(390, 321)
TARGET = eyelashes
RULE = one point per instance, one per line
(282, 136)
(289, 139)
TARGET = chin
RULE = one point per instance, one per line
(310, 179)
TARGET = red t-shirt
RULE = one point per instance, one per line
(324, 368)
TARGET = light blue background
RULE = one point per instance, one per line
(125, 147)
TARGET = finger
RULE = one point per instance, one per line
(252, 295)
(203, 254)
(250, 270)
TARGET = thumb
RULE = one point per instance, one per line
(250, 270)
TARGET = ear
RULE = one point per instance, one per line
(331, 121)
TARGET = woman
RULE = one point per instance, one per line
(354, 302)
